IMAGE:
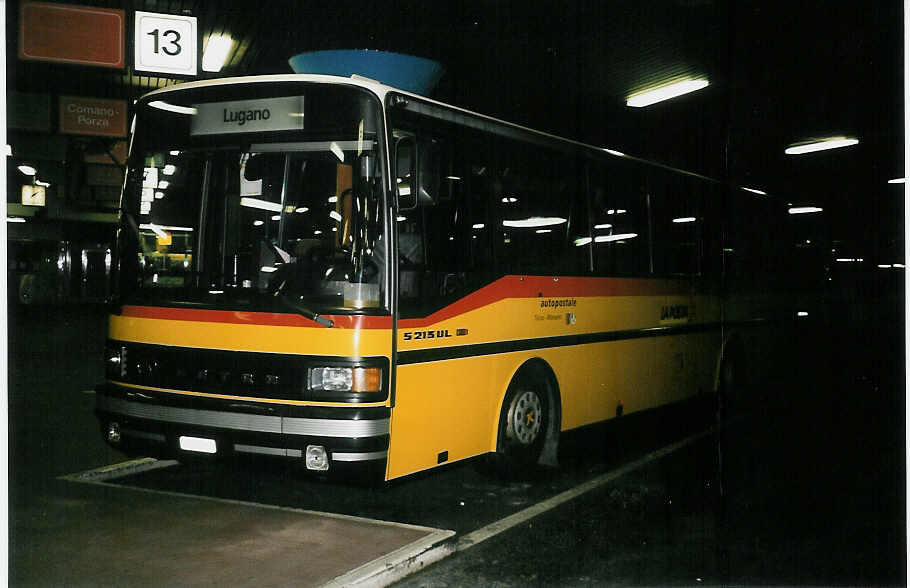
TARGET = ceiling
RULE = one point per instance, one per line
(780, 72)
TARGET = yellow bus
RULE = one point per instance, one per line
(342, 273)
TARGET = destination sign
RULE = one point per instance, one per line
(248, 116)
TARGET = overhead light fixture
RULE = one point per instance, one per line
(163, 184)
(610, 238)
(258, 223)
(820, 145)
(665, 92)
(162, 105)
(260, 204)
(28, 170)
(614, 152)
(477, 226)
(42, 184)
(159, 195)
(534, 222)
(898, 181)
(149, 226)
(804, 209)
(604, 226)
(15, 219)
(216, 52)
(684, 219)
(755, 191)
(175, 152)
(301, 209)
(169, 169)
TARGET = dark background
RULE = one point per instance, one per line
(780, 73)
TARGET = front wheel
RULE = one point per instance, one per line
(523, 425)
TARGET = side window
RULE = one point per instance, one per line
(444, 243)
(535, 197)
(676, 222)
(619, 219)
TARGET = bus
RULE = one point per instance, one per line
(342, 273)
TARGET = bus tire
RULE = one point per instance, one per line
(523, 425)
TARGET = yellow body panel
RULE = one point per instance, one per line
(453, 405)
(250, 337)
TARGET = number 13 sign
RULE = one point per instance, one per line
(165, 43)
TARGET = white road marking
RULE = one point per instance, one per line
(118, 470)
(504, 524)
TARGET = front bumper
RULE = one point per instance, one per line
(152, 423)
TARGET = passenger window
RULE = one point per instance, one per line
(676, 221)
(619, 221)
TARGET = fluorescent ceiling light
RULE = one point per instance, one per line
(40, 183)
(665, 92)
(898, 181)
(258, 223)
(804, 209)
(165, 227)
(614, 152)
(542, 231)
(849, 259)
(216, 52)
(604, 226)
(755, 191)
(456, 178)
(582, 241)
(163, 184)
(301, 209)
(260, 204)
(802, 313)
(175, 152)
(884, 265)
(684, 219)
(275, 217)
(169, 169)
(534, 221)
(477, 226)
(159, 195)
(28, 170)
(617, 211)
(162, 105)
(335, 215)
(15, 219)
(268, 269)
(336, 149)
(619, 237)
(829, 143)
(401, 218)
(155, 229)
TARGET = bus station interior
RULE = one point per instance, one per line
(805, 484)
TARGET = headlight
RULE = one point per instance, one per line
(345, 379)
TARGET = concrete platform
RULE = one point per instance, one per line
(87, 532)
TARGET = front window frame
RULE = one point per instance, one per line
(378, 188)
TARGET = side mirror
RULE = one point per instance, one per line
(405, 173)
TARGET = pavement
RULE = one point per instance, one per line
(804, 487)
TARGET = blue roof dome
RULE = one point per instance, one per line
(407, 72)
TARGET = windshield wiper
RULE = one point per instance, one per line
(304, 311)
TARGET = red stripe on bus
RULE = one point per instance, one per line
(550, 287)
(505, 287)
(274, 319)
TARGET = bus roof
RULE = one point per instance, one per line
(382, 90)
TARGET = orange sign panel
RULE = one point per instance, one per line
(92, 116)
(72, 34)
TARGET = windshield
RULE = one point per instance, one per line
(261, 195)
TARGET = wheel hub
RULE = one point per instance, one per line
(525, 417)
